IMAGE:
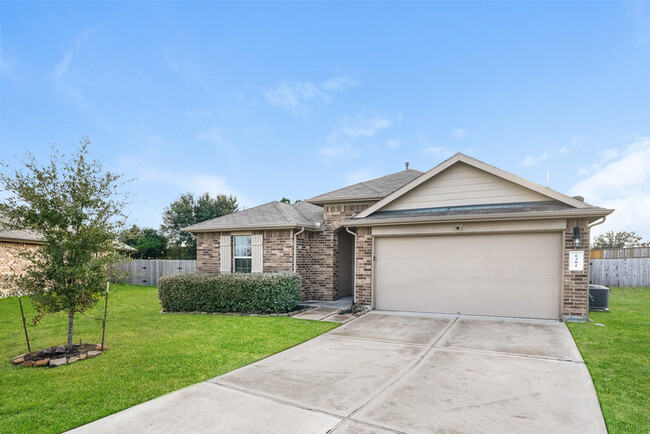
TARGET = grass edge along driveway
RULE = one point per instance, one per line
(618, 358)
(150, 355)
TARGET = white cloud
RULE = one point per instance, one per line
(180, 61)
(533, 160)
(577, 140)
(360, 175)
(61, 67)
(604, 156)
(530, 160)
(434, 150)
(333, 152)
(344, 136)
(182, 181)
(365, 126)
(339, 83)
(459, 134)
(622, 183)
(296, 97)
(7, 66)
(394, 143)
(610, 154)
(211, 136)
(193, 114)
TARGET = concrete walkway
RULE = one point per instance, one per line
(387, 372)
(330, 314)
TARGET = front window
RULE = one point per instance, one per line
(243, 253)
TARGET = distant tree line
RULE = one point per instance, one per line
(618, 240)
(169, 241)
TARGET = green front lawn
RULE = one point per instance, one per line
(150, 354)
(618, 358)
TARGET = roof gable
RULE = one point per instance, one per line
(463, 185)
(462, 180)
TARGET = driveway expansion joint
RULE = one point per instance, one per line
(382, 341)
(272, 398)
(515, 355)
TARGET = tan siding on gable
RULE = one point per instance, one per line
(463, 185)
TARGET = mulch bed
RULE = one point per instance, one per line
(58, 356)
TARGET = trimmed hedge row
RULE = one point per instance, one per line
(244, 293)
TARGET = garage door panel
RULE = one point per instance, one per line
(497, 274)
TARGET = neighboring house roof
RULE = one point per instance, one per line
(272, 215)
(27, 236)
(375, 189)
(570, 202)
(122, 247)
(18, 236)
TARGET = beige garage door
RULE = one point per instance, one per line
(515, 275)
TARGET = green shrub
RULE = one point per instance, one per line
(245, 293)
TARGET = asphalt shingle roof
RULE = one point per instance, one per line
(374, 189)
(20, 236)
(269, 215)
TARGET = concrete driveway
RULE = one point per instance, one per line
(392, 372)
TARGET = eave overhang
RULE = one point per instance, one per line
(347, 199)
(253, 228)
(571, 213)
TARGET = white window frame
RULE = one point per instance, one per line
(235, 257)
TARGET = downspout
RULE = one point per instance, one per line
(596, 223)
(354, 273)
(295, 249)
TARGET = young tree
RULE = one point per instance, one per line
(186, 211)
(76, 208)
(618, 240)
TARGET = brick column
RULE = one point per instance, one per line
(575, 306)
(363, 267)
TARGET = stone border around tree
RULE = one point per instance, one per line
(59, 358)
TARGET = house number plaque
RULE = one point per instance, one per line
(576, 260)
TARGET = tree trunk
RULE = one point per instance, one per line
(70, 330)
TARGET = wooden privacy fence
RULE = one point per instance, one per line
(148, 271)
(623, 253)
(620, 272)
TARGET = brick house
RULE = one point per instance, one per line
(11, 244)
(464, 237)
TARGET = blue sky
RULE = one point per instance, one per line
(265, 100)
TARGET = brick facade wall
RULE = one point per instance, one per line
(575, 303)
(311, 256)
(11, 262)
(208, 257)
(363, 267)
(278, 250)
(277, 254)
